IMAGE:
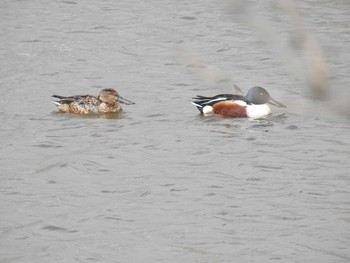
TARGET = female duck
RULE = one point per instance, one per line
(108, 101)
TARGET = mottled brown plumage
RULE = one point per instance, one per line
(108, 101)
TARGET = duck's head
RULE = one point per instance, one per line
(258, 95)
(111, 96)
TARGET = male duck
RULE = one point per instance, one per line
(254, 105)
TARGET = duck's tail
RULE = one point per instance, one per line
(58, 103)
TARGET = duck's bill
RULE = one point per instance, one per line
(276, 103)
(125, 101)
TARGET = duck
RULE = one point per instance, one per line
(255, 104)
(108, 101)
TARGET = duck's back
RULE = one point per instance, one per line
(80, 104)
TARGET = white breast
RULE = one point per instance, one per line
(258, 111)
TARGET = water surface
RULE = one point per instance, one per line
(159, 182)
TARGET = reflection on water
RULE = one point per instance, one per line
(112, 115)
(247, 124)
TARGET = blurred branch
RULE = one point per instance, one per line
(311, 66)
(204, 71)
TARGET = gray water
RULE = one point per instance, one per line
(159, 182)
